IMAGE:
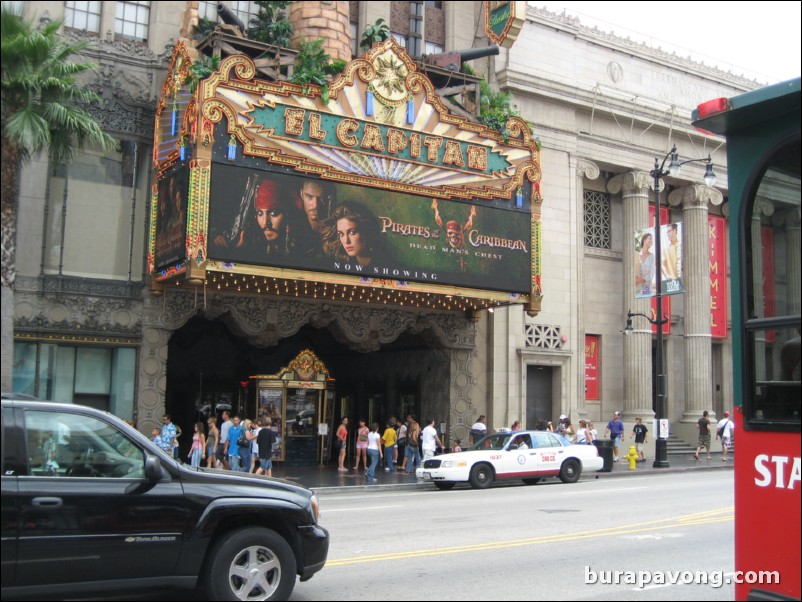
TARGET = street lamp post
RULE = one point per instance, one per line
(659, 171)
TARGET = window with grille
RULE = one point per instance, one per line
(84, 16)
(207, 10)
(401, 39)
(132, 19)
(245, 11)
(432, 48)
(543, 336)
(597, 220)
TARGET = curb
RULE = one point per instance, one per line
(621, 474)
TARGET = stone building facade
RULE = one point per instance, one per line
(602, 107)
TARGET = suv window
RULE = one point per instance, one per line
(62, 444)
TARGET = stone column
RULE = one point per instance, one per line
(328, 20)
(696, 280)
(759, 209)
(790, 219)
(584, 169)
(152, 377)
(634, 190)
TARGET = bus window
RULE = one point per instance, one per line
(773, 296)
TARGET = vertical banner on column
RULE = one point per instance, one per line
(592, 367)
(769, 295)
(666, 300)
(717, 228)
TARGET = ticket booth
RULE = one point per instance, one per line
(299, 402)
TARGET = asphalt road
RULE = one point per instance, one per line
(532, 542)
(517, 542)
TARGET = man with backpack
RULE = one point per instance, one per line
(724, 431)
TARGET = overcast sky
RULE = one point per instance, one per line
(760, 40)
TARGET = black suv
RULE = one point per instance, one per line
(89, 504)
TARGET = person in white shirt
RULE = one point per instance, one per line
(430, 442)
(728, 425)
(374, 451)
(478, 430)
(583, 435)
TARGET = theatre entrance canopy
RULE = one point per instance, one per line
(372, 191)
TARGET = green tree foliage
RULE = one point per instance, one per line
(200, 70)
(378, 32)
(270, 24)
(204, 28)
(42, 111)
(495, 109)
(313, 65)
(41, 99)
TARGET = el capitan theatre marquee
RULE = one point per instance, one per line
(380, 194)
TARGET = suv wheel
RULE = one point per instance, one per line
(251, 564)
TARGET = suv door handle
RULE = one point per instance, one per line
(47, 502)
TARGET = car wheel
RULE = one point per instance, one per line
(481, 476)
(532, 480)
(444, 485)
(251, 564)
(570, 471)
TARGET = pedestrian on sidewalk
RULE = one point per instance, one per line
(430, 442)
(340, 440)
(583, 435)
(401, 447)
(389, 439)
(412, 458)
(703, 425)
(478, 430)
(374, 450)
(724, 430)
(265, 440)
(362, 445)
(615, 428)
(639, 431)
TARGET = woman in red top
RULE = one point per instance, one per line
(342, 438)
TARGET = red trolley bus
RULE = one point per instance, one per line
(762, 128)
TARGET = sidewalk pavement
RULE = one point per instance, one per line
(328, 480)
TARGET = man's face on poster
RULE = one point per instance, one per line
(314, 201)
(270, 220)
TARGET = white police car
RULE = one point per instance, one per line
(526, 455)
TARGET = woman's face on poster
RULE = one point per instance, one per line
(647, 242)
(350, 238)
(270, 222)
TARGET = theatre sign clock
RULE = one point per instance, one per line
(375, 193)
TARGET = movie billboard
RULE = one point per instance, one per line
(171, 217)
(273, 219)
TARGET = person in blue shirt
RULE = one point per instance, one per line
(615, 428)
(167, 438)
(232, 449)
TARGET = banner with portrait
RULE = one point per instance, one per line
(670, 260)
(260, 217)
(171, 217)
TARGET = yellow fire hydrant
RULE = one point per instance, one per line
(632, 456)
